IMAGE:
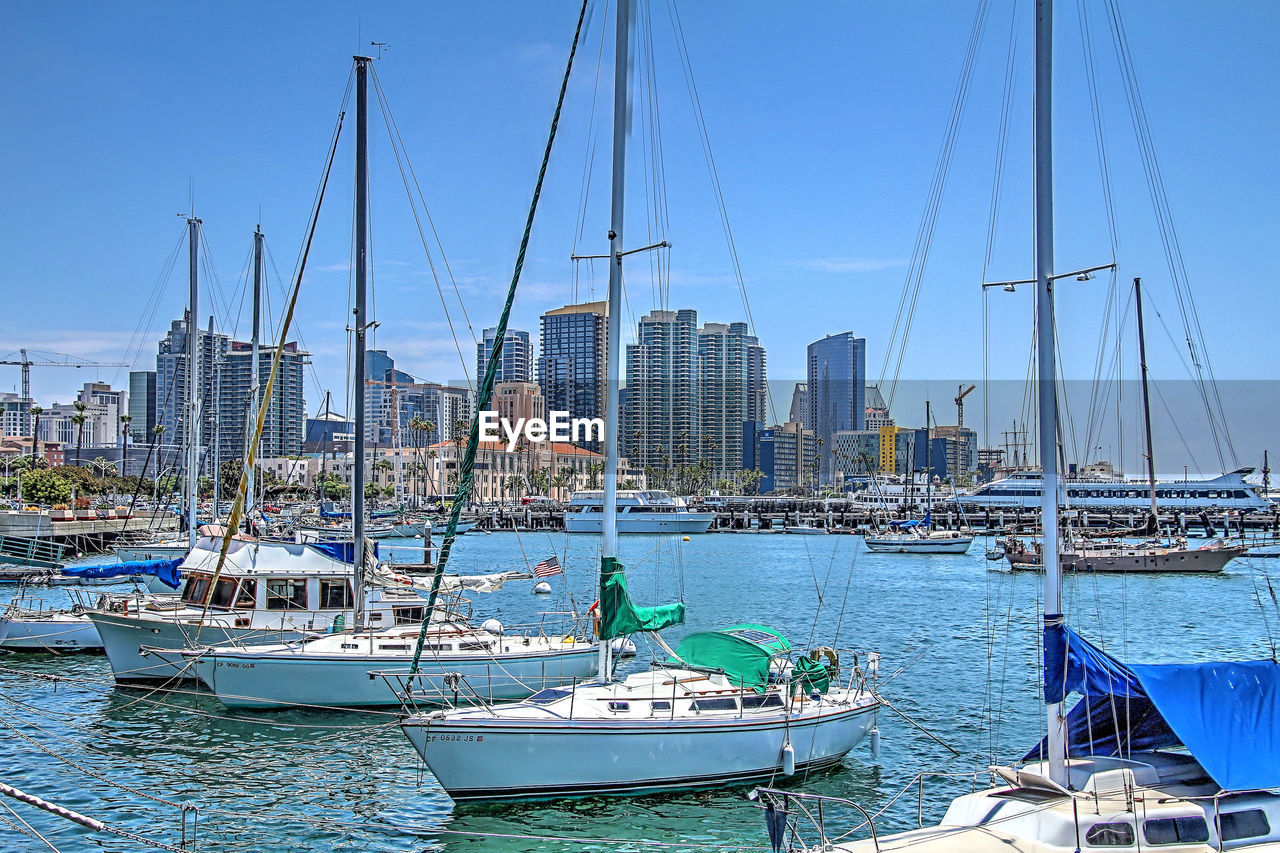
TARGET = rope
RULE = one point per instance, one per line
(463, 495)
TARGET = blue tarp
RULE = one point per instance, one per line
(915, 522)
(342, 551)
(1226, 714)
(165, 570)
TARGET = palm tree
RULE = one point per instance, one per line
(125, 420)
(594, 470)
(515, 484)
(35, 430)
(563, 480)
(79, 419)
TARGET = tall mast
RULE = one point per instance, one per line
(324, 453)
(928, 461)
(215, 396)
(254, 389)
(361, 324)
(613, 320)
(1146, 404)
(193, 380)
(1047, 403)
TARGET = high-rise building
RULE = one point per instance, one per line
(142, 405)
(837, 392)
(758, 454)
(877, 410)
(283, 428)
(856, 453)
(690, 390)
(571, 364)
(799, 404)
(661, 424)
(171, 386)
(517, 356)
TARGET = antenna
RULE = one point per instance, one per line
(381, 46)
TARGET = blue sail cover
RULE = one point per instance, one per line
(343, 552)
(1226, 714)
(165, 570)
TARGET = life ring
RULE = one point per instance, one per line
(832, 656)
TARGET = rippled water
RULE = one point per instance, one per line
(325, 781)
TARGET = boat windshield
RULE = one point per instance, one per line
(197, 591)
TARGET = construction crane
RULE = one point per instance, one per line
(964, 392)
(26, 364)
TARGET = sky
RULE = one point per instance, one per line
(824, 120)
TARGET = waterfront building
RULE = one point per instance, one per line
(959, 447)
(855, 453)
(101, 407)
(517, 356)
(837, 392)
(142, 405)
(758, 453)
(795, 457)
(328, 433)
(516, 401)
(571, 364)
(15, 414)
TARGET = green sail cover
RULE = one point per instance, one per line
(811, 675)
(742, 652)
(619, 617)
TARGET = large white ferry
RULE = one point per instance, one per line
(1022, 490)
(638, 512)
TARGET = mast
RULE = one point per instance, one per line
(193, 378)
(928, 463)
(613, 320)
(254, 389)
(1146, 405)
(361, 326)
(324, 453)
(1047, 401)
(215, 397)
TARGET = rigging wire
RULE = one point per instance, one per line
(933, 204)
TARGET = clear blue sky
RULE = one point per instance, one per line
(825, 120)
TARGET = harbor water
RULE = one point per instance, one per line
(962, 630)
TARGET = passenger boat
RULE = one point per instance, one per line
(648, 511)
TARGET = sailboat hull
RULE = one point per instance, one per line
(279, 679)
(959, 545)
(481, 759)
(1200, 560)
(49, 634)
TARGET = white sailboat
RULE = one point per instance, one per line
(1179, 757)
(482, 664)
(726, 707)
(917, 536)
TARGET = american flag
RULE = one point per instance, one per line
(547, 568)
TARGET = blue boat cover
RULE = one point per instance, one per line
(1226, 714)
(915, 522)
(344, 552)
(165, 570)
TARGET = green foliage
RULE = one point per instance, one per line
(45, 487)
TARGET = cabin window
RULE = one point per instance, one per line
(393, 647)
(618, 707)
(719, 704)
(1247, 824)
(287, 594)
(1176, 830)
(474, 646)
(409, 615)
(769, 700)
(224, 593)
(197, 586)
(437, 647)
(247, 597)
(336, 595)
(551, 694)
(1109, 835)
(661, 705)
